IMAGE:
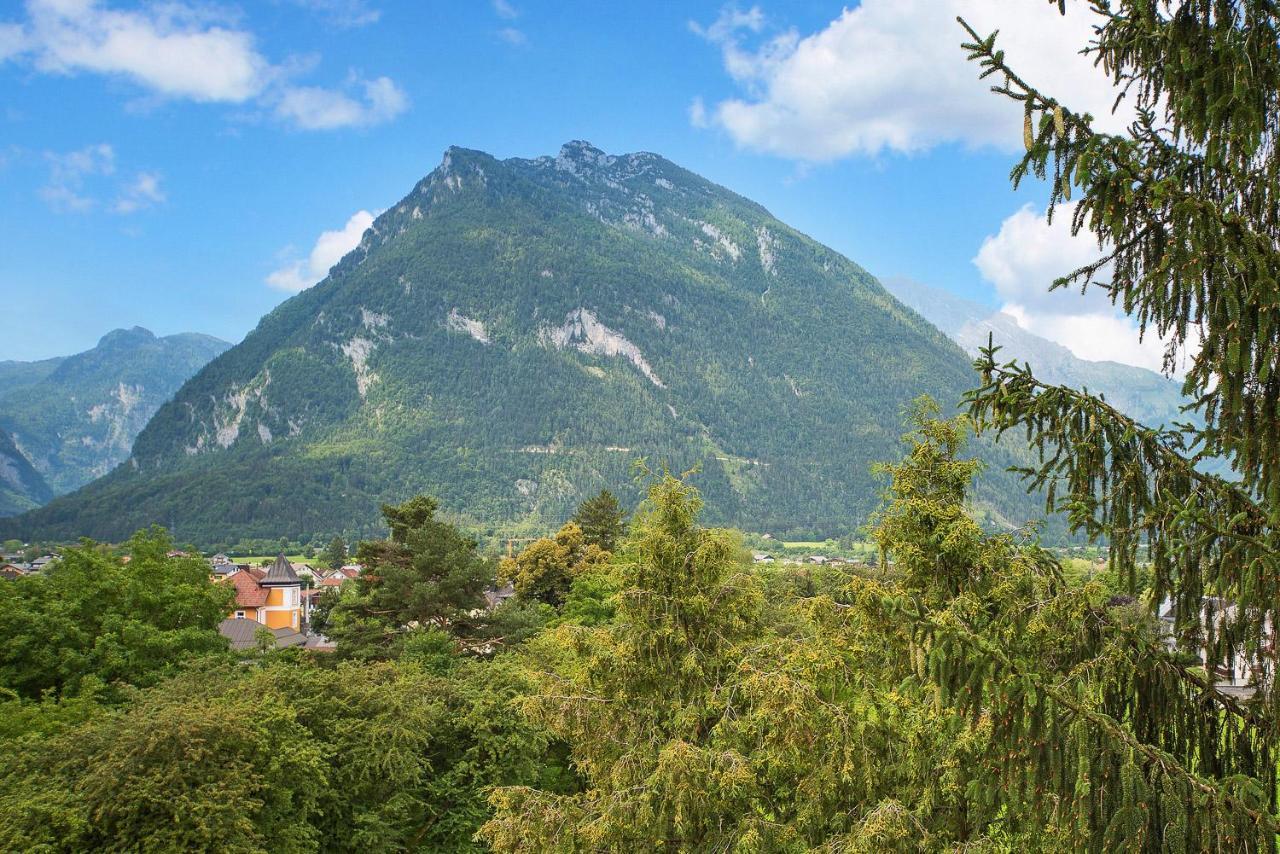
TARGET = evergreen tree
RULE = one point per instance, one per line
(335, 554)
(428, 573)
(602, 521)
(1106, 735)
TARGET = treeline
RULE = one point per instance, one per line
(646, 686)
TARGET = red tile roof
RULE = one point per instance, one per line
(249, 593)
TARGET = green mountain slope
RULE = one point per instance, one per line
(1145, 395)
(74, 418)
(21, 486)
(512, 335)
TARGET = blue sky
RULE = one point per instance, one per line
(159, 163)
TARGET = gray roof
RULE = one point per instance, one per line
(243, 634)
(280, 574)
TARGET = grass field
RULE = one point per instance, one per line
(255, 560)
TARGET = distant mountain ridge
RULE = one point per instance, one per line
(1151, 398)
(512, 335)
(68, 420)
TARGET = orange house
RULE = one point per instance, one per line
(273, 598)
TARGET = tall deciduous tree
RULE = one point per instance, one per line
(91, 615)
(602, 520)
(545, 568)
(1118, 740)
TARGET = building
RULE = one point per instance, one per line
(244, 634)
(272, 598)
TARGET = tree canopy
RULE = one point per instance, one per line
(427, 573)
(602, 520)
(93, 616)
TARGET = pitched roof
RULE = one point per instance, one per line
(249, 593)
(243, 634)
(280, 574)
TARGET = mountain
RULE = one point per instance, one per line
(21, 486)
(1149, 397)
(512, 336)
(72, 419)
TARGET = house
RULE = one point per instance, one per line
(11, 571)
(243, 634)
(219, 559)
(304, 570)
(272, 598)
(761, 557)
(495, 596)
(340, 576)
(42, 562)
(1237, 673)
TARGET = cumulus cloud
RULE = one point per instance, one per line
(328, 250)
(185, 51)
(170, 49)
(316, 108)
(889, 75)
(1024, 257)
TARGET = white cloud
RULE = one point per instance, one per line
(169, 49)
(183, 50)
(143, 192)
(329, 249)
(317, 108)
(12, 41)
(68, 172)
(505, 10)
(890, 75)
(1024, 258)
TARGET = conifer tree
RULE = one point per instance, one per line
(602, 521)
(1106, 735)
(335, 554)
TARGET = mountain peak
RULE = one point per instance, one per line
(126, 337)
(582, 153)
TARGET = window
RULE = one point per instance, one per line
(239, 615)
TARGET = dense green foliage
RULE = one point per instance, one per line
(783, 369)
(602, 520)
(545, 569)
(426, 574)
(91, 617)
(335, 554)
(286, 757)
(74, 419)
